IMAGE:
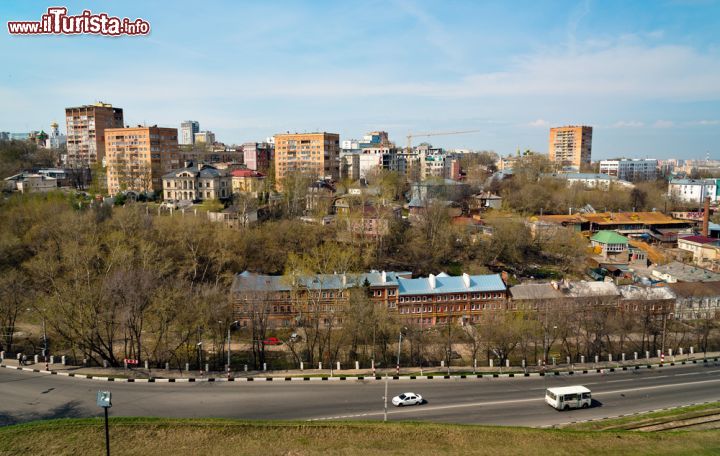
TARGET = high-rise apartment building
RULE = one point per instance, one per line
(138, 157)
(86, 132)
(571, 146)
(313, 154)
(631, 169)
(187, 132)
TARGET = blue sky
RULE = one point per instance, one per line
(644, 74)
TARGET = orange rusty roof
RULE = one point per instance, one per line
(610, 218)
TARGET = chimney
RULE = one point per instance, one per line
(466, 280)
(706, 217)
(383, 277)
(504, 277)
(344, 280)
(431, 279)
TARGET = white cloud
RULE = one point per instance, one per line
(664, 124)
(628, 124)
(539, 123)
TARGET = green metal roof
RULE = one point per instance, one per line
(609, 237)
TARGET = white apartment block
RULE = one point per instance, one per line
(694, 190)
(630, 169)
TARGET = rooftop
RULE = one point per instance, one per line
(700, 239)
(609, 237)
(645, 293)
(686, 273)
(583, 176)
(250, 281)
(246, 173)
(703, 289)
(590, 289)
(201, 170)
(675, 181)
(527, 291)
(442, 283)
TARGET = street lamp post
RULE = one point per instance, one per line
(397, 367)
(45, 339)
(45, 345)
(199, 346)
(228, 348)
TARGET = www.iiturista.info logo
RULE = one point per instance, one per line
(57, 22)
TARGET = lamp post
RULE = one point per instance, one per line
(228, 349)
(45, 340)
(397, 368)
(199, 346)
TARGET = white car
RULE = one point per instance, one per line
(407, 399)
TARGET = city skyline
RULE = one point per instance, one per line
(646, 79)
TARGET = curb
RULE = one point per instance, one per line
(361, 378)
(626, 414)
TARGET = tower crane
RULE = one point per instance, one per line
(444, 133)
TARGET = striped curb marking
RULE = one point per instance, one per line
(358, 378)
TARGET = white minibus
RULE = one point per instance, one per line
(567, 397)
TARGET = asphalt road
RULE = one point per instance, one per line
(519, 401)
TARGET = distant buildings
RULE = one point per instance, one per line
(205, 137)
(570, 146)
(696, 300)
(635, 169)
(694, 190)
(187, 132)
(257, 156)
(55, 140)
(86, 132)
(247, 181)
(360, 157)
(197, 182)
(610, 244)
(705, 250)
(30, 183)
(313, 154)
(679, 272)
(436, 162)
(591, 180)
(138, 157)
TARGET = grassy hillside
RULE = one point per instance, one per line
(148, 436)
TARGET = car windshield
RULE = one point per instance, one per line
(402, 396)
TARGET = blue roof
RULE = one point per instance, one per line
(586, 176)
(447, 284)
(693, 181)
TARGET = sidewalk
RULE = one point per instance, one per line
(142, 373)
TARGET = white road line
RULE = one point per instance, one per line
(514, 401)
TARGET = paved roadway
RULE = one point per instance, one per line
(27, 396)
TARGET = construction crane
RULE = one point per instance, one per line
(444, 133)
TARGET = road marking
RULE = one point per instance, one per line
(514, 401)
